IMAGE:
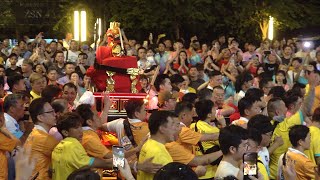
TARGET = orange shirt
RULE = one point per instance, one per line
(182, 149)
(92, 144)
(6, 145)
(303, 165)
(42, 145)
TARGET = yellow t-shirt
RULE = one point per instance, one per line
(314, 150)
(262, 169)
(6, 145)
(68, 156)
(154, 149)
(282, 129)
(316, 102)
(42, 145)
(34, 95)
(92, 144)
(204, 127)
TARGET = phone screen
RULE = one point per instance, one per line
(250, 167)
(118, 156)
(267, 52)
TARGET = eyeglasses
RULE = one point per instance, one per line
(52, 111)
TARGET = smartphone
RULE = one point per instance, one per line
(250, 166)
(267, 52)
(118, 156)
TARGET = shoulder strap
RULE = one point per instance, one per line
(199, 142)
(128, 131)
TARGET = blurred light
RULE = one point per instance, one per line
(83, 26)
(270, 29)
(99, 28)
(307, 44)
(76, 21)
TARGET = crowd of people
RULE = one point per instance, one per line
(210, 103)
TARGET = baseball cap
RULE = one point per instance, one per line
(166, 95)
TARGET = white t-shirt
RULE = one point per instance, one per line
(265, 157)
(19, 62)
(71, 56)
(117, 127)
(226, 169)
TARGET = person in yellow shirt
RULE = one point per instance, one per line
(254, 141)
(39, 140)
(314, 151)
(91, 140)
(263, 124)
(69, 155)
(277, 108)
(7, 143)
(300, 139)
(233, 142)
(208, 123)
(163, 128)
(38, 83)
(181, 150)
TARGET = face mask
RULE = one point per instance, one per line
(279, 118)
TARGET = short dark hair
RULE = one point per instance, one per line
(84, 110)
(203, 108)
(83, 54)
(11, 100)
(297, 59)
(56, 53)
(204, 94)
(231, 136)
(182, 107)
(254, 92)
(14, 79)
(176, 78)
(132, 106)
(291, 97)
(264, 82)
(296, 133)
(1, 81)
(214, 73)
(160, 80)
(255, 136)
(261, 122)
(51, 68)
(241, 79)
(245, 103)
(316, 115)
(277, 91)
(141, 48)
(69, 63)
(13, 55)
(175, 171)
(69, 120)
(84, 174)
(50, 92)
(190, 97)
(69, 85)
(36, 108)
(157, 119)
(58, 105)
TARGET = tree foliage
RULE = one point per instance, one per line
(246, 19)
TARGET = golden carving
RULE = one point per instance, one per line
(110, 81)
(134, 72)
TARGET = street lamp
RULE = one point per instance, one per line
(270, 29)
(76, 23)
(80, 25)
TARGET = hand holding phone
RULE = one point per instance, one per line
(250, 165)
(118, 157)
